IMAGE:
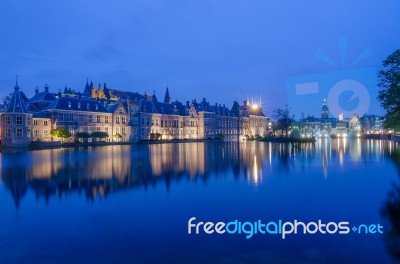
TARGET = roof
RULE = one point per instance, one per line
(17, 103)
(43, 96)
(174, 108)
(76, 104)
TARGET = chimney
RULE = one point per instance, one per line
(36, 90)
(46, 88)
(245, 103)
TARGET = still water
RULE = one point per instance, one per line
(131, 204)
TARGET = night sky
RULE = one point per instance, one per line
(221, 50)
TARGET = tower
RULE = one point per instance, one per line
(16, 122)
(93, 92)
(324, 111)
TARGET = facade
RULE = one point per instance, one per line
(124, 117)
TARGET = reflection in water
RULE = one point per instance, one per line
(99, 171)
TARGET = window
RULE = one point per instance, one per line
(87, 106)
(162, 123)
(45, 133)
(8, 120)
(124, 120)
(19, 132)
(117, 119)
(79, 105)
(90, 118)
(19, 120)
(98, 129)
(123, 130)
(106, 119)
(35, 133)
(35, 122)
(117, 130)
(80, 118)
(8, 133)
(28, 120)
(106, 130)
(98, 118)
(45, 123)
(61, 117)
(97, 107)
(28, 133)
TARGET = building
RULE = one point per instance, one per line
(124, 117)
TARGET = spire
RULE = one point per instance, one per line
(86, 91)
(16, 82)
(154, 97)
(167, 98)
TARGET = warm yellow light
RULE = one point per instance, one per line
(254, 106)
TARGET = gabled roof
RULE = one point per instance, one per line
(76, 104)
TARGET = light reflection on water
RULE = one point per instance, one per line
(339, 173)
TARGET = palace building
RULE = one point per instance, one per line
(123, 116)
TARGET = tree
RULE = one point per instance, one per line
(118, 136)
(60, 133)
(389, 82)
(5, 101)
(82, 135)
(282, 117)
(99, 134)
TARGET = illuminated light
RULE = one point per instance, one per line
(358, 135)
(255, 107)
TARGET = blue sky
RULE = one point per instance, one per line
(221, 50)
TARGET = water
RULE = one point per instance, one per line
(131, 204)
